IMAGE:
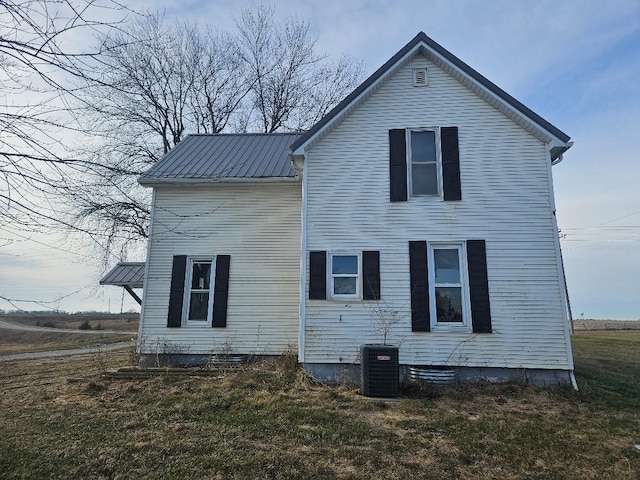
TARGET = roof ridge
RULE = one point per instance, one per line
(449, 57)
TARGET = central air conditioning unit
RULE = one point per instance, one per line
(379, 373)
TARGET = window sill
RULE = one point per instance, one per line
(346, 298)
(446, 328)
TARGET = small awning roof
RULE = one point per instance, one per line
(125, 274)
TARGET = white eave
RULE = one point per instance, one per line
(174, 182)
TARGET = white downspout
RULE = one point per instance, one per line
(303, 261)
(561, 278)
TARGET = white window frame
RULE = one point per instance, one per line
(331, 276)
(465, 325)
(436, 131)
(188, 290)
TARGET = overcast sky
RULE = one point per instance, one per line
(574, 62)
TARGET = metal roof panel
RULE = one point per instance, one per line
(225, 156)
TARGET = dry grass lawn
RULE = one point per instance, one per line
(272, 421)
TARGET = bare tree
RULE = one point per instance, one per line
(78, 124)
(292, 86)
(218, 86)
(38, 59)
(161, 81)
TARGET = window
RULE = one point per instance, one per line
(449, 291)
(199, 299)
(199, 291)
(424, 177)
(345, 275)
(424, 163)
(449, 286)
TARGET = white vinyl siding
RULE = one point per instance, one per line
(258, 225)
(506, 201)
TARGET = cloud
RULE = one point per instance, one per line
(575, 63)
(603, 292)
(32, 271)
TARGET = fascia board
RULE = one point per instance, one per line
(495, 100)
(164, 182)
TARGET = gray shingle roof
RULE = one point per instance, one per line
(201, 158)
(129, 274)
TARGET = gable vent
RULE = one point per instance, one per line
(420, 77)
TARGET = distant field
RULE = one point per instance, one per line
(16, 341)
(591, 325)
(272, 421)
(104, 321)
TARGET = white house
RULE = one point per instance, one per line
(421, 205)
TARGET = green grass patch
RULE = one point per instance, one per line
(272, 421)
(608, 368)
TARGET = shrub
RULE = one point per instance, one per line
(85, 325)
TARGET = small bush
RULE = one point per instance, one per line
(418, 389)
(85, 325)
(287, 361)
(94, 387)
(48, 324)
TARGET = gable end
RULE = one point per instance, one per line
(421, 44)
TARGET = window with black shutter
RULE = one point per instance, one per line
(449, 290)
(344, 275)
(371, 275)
(176, 291)
(479, 286)
(398, 165)
(317, 275)
(199, 291)
(450, 163)
(424, 163)
(419, 282)
(221, 291)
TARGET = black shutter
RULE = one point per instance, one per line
(371, 275)
(176, 291)
(450, 163)
(478, 286)
(398, 165)
(418, 272)
(317, 275)
(221, 291)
